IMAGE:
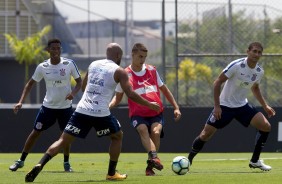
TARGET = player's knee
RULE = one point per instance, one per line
(267, 127)
(205, 136)
(156, 134)
(117, 136)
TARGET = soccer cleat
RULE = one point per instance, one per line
(31, 175)
(155, 163)
(67, 167)
(16, 165)
(259, 164)
(149, 171)
(116, 176)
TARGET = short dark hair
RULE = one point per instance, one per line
(139, 46)
(253, 44)
(53, 40)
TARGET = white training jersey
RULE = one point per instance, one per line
(58, 81)
(140, 74)
(99, 89)
(240, 79)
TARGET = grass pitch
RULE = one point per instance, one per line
(207, 168)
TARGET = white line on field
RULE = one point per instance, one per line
(225, 159)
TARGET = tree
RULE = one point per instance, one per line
(191, 76)
(29, 50)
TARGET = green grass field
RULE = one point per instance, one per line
(208, 168)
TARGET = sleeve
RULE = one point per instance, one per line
(230, 70)
(37, 76)
(159, 80)
(74, 70)
(260, 77)
(118, 88)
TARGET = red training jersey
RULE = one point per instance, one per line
(147, 87)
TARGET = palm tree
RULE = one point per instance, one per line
(29, 50)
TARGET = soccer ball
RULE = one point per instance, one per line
(180, 165)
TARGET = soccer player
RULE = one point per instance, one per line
(146, 81)
(93, 111)
(57, 104)
(231, 103)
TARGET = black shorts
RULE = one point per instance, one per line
(47, 117)
(79, 125)
(242, 114)
(148, 121)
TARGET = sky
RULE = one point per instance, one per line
(76, 10)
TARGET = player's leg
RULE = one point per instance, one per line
(153, 159)
(45, 119)
(30, 141)
(211, 126)
(116, 136)
(261, 123)
(63, 118)
(200, 141)
(155, 134)
(53, 150)
(149, 146)
(73, 129)
(114, 151)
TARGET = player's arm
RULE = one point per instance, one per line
(122, 77)
(257, 93)
(216, 93)
(75, 89)
(25, 92)
(84, 82)
(167, 93)
(116, 100)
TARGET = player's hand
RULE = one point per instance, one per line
(177, 115)
(270, 111)
(17, 107)
(217, 113)
(155, 106)
(69, 97)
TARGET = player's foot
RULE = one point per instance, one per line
(259, 164)
(16, 165)
(67, 167)
(31, 175)
(149, 171)
(116, 176)
(155, 163)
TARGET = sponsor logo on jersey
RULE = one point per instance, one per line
(258, 69)
(65, 62)
(72, 129)
(103, 132)
(99, 70)
(142, 83)
(94, 92)
(254, 77)
(243, 65)
(62, 72)
(39, 125)
(91, 101)
(244, 84)
(56, 82)
(97, 81)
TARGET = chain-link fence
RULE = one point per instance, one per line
(211, 35)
